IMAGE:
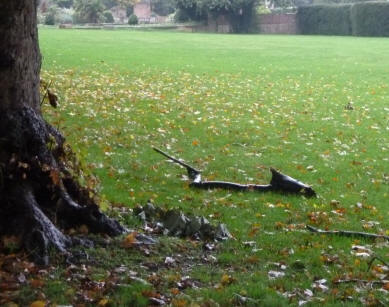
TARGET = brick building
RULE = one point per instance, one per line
(142, 10)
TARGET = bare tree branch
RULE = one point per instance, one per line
(347, 233)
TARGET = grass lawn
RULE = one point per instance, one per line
(316, 108)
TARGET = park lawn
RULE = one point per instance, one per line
(316, 108)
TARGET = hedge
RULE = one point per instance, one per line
(325, 19)
(370, 19)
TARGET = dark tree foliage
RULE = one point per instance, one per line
(109, 3)
(108, 17)
(89, 11)
(239, 12)
(163, 7)
(191, 10)
(325, 19)
(133, 20)
(64, 3)
(370, 19)
(359, 19)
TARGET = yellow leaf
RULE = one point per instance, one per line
(103, 302)
(227, 280)
(179, 303)
(38, 304)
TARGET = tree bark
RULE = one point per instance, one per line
(39, 193)
(20, 58)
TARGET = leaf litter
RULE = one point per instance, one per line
(127, 98)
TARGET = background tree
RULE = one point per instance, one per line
(163, 7)
(39, 193)
(64, 3)
(239, 12)
(89, 11)
(191, 10)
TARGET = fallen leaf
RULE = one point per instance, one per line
(227, 279)
(38, 304)
(130, 240)
(275, 274)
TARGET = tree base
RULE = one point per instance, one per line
(39, 192)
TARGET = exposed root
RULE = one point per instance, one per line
(39, 194)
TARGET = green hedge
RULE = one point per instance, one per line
(359, 19)
(370, 19)
(325, 19)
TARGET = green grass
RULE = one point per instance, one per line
(234, 105)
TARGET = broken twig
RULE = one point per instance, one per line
(362, 281)
(192, 172)
(375, 257)
(347, 233)
(279, 182)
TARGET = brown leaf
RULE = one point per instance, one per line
(55, 176)
(53, 99)
(130, 240)
(37, 283)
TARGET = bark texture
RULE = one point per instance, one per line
(20, 58)
(40, 196)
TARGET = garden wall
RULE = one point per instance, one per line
(277, 24)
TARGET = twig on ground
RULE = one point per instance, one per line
(347, 233)
(46, 92)
(374, 258)
(362, 281)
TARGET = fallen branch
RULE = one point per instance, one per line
(192, 172)
(279, 182)
(362, 281)
(347, 233)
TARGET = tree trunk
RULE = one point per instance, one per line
(19, 55)
(39, 194)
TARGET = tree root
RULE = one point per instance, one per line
(39, 192)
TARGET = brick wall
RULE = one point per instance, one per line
(277, 23)
(142, 10)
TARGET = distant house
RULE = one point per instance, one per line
(119, 14)
(142, 10)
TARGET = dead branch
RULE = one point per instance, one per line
(347, 233)
(192, 172)
(362, 281)
(279, 182)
